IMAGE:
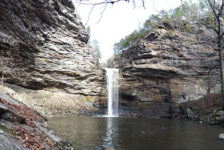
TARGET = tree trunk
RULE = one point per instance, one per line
(221, 62)
(222, 76)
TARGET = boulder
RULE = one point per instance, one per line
(190, 113)
(219, 118)
(220, 113)
(221, 136)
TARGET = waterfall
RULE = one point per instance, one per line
(112, 91)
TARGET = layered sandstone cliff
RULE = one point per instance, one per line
(168, 66)
(45, 58)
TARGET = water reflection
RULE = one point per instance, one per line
(111, 133)
(101, 133)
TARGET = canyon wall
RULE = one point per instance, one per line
(166, 67)
(45, 58)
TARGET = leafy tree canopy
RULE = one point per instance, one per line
(177, 17)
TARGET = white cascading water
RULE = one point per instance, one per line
(112, 91)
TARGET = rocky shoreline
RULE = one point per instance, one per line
(21, 128)
(205, 110)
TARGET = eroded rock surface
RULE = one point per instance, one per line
(168, 66)
(8, 143)
(43, 48)
(21, 128)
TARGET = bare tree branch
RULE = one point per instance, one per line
(214, 29)
(105, 4)
(101, 14)
(133, 1)
(222, 35)
(102, 2)
(143, 4)
(221, 9)
(212, 6)
(90, 14)
(217, 9)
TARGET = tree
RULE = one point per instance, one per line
(173, 17)
(110, 62)
(96, 47)
(165, 16)
(104, 3)
(217, 8)
(128, 40)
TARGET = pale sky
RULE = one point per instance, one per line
(119, 20)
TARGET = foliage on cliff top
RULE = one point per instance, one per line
(179, 18)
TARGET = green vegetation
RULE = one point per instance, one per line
(170, 32)
(180, 17)
(96, 47)
(5, 129)
(128, 40)
(140, 103)
(87, 99)
(210, 21)
(187, 28)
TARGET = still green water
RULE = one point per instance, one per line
(100, 133)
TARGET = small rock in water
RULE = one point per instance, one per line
(190, 113)
(220, 113)
(200, 122)
(221, 136)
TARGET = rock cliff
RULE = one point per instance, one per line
(168, 66)
(46, 59)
